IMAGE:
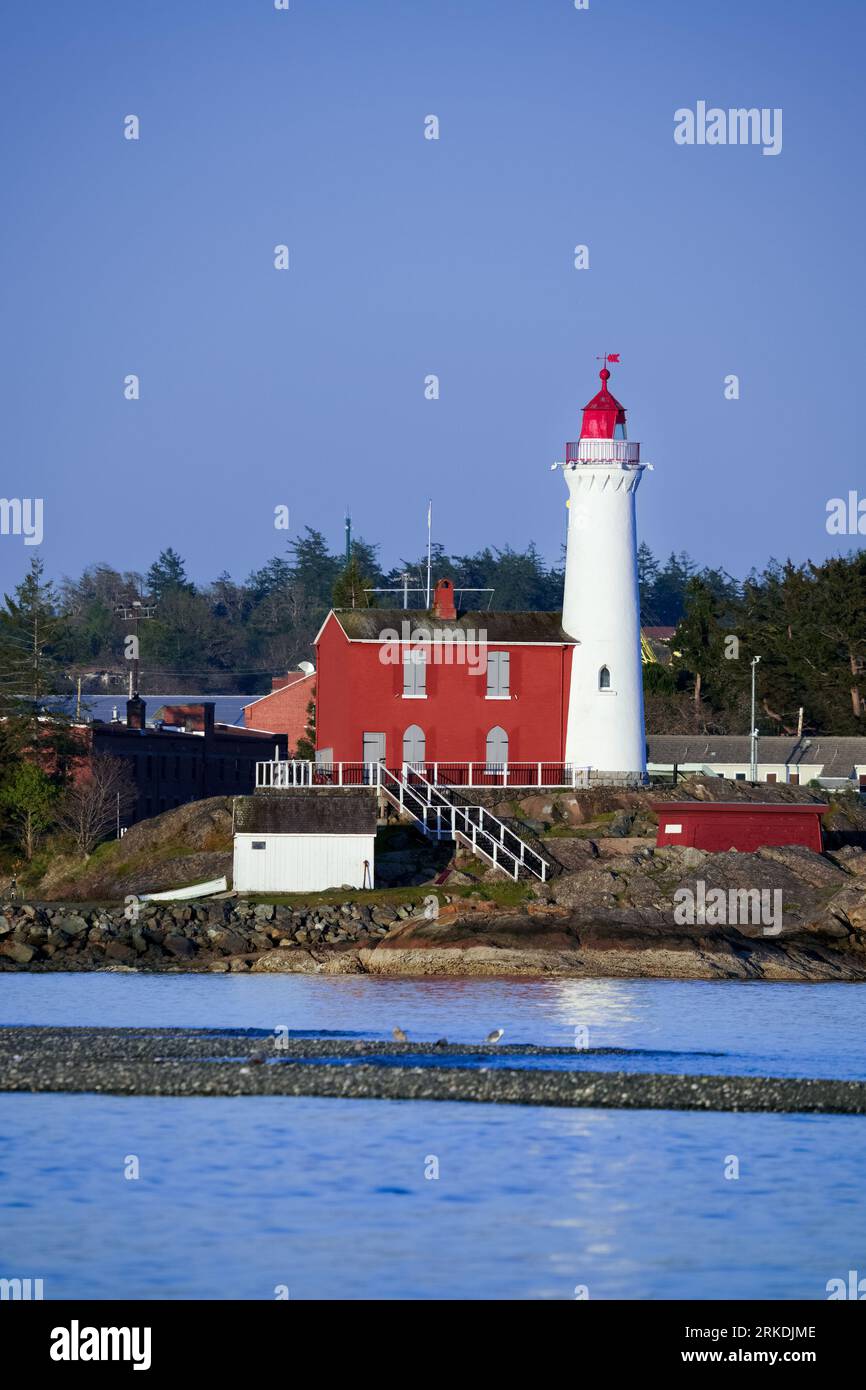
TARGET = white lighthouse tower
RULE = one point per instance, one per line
(601, 606)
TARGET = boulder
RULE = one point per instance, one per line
(179, 946)
(17, 951)
(72, 924)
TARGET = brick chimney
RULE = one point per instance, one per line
(136, 711)
(443, 601)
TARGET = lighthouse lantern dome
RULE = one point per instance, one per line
(603, 416)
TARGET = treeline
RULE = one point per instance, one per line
(807, 623)
(807, 626)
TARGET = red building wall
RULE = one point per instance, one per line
(745, 826)
(284, 711)
(357, 692)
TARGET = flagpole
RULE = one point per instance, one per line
(429, 544)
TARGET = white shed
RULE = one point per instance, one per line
(305, 839)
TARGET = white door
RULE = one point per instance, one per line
(374, 748)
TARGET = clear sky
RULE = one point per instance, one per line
(410, 257)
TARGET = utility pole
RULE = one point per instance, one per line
(753, 735)
(135, 612)
(429, 544)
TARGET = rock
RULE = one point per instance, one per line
(17, 951)
(287, 962)
(179, 946)
(73, 924)
(813, 868)
(118, 950)
(227, 941)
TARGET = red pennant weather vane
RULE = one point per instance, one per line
(608, 357)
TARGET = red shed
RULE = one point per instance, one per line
(743, 825)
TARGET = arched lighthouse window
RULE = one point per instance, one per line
(497, 748)
(604, 679)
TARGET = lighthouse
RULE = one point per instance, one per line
(601, 605)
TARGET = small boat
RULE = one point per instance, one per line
(195, 890)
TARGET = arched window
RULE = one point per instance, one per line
(604, 679)
(414, 745)
(497, 747)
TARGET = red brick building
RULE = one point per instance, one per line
(285, 709)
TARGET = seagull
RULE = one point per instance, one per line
(495, 1035)
(399, 1036)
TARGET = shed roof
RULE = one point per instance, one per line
(308, 811)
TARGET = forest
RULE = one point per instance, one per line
(806, 622)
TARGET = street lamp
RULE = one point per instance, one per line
(753, 734)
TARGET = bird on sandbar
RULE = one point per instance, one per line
(399, 1036)
(495, 1035)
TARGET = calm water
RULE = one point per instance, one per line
(330, 1198)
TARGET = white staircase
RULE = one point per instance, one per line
(437, 812)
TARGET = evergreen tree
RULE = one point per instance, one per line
(314, 570)
(167, 575)
(28, 797)
(351, 588)
(306, 748)
(699, 639)
(30, 628)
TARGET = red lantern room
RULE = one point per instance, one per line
(603, 417)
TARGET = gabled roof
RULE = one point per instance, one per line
(281, 689)
(377, 625)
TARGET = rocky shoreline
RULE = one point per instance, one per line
(170, 1062)
(609, 913)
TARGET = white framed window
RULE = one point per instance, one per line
(498, 675)
(414, 673)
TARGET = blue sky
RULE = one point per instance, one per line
(411, 257)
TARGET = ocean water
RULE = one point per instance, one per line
(246, 1198)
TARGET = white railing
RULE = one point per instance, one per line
(478, 828)
(602, 451)
(486, 833)
(297, 773)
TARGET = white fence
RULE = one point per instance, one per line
(281, 775)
